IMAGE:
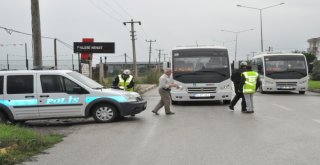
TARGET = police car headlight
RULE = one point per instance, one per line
(132, 97)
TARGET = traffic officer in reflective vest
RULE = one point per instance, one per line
(249, 83)
(124, 81)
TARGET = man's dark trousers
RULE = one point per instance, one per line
(236, 98)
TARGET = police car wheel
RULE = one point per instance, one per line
(3, 118)
(105, 113)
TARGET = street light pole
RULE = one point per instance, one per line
(236, 32)
(260, 10)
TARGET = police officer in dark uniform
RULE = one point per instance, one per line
(236, 78)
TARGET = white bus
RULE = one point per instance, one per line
(281, 71)
(202, 72)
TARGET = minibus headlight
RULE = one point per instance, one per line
(269, 82)
(227, 86)
(303, 82)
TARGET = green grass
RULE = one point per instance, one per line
(28, 142)
(314, 84)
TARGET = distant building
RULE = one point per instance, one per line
(314, 46)
(114, 68)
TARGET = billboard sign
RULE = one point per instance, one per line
(93, 47)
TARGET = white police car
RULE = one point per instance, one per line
(45, 94)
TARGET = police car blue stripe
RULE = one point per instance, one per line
(28, 102)
(116, 98)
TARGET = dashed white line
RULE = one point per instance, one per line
(282, 107)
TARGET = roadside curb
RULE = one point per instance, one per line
(148, 88)
(314, 90)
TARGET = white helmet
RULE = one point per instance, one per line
(127, 72)
(243, 63)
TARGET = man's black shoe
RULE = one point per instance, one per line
(231, 107)
(170, 113)
(243, 110)
(156, 113)
(248, 111)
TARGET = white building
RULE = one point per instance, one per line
(314, 46)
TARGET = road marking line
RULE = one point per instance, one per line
(317, 121)
(282, 107)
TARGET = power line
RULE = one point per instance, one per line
(118, 4)
(144, 32)
(29, 34)
(106, 13)
(115, 11)
(16, 31)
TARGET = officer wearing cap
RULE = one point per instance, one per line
(249, 84)
(236, 78)
(124, 81)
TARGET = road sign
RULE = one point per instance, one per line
(93, 47)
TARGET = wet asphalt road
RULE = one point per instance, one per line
(284, 130)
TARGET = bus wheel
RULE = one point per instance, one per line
(302, 92)
(226, 102)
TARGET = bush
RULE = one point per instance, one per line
(23, 143)
(152, 77)
(316, 71)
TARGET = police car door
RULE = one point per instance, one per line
(20, 95)
(58, 97)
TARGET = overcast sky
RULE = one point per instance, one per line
(170, 22)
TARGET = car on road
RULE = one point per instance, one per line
(45, 94)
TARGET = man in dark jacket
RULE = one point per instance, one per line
(236, 78)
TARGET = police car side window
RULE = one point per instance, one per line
(69, 85)
(51, 84)
(20, 84)
(1, 85)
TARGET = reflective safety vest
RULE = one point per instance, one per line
(123, 84)
(250, 81)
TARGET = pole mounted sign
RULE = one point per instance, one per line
(93, 47)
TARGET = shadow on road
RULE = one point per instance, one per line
(201, 103)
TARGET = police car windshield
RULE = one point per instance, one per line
(85, 80)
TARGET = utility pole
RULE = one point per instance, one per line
(125, 60)
(150, 50)
(253, 53)
(79, 62)
(164, 57)
(159, 58)
(8, 62)
(36, 34)
(72, 63)
(26, 52)
(55, 54)
(133, 45)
